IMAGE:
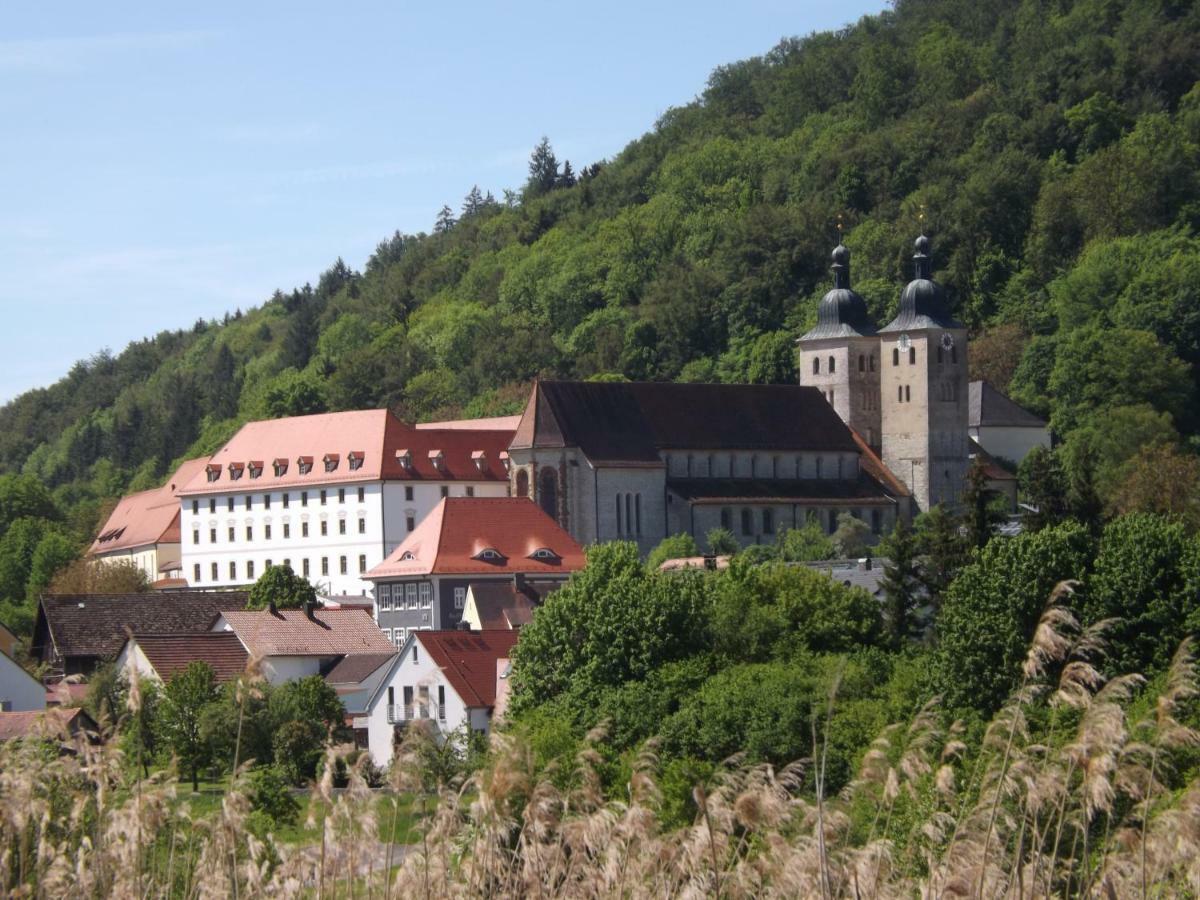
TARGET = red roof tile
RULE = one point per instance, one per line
(43, 723)
(468, 660)
(373, 435)
(147, 517)
(873, 466)
(452, 538)
(288, 632)
(171, 653)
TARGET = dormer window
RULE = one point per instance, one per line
(490, 554)
(438, 459)
(304, 464)
(480, 459)
(331, 462)
(404, 459)
(281, 467)
(256, 468)
(355, 458)
(235, 471)
(545, 554)
(214, 472)
(407, 556)
(505, 461)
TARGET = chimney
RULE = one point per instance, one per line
(519, 582)
(272, 608)
(308, 610)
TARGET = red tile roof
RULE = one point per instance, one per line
(468, 660)
(873, 466)
(289, 632)
(372, 435)
(147, 517)
(43, 723)
(452, 538)
(171, 653)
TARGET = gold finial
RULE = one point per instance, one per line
(921, 218)
(839, 227)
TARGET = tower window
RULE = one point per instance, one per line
(900, 393)
(872, 361)
(912, 356)
(939, 349)
(816, 365)
(832, 365)
(862, 363)
(895, 356)
(907, 394)
(954, 354)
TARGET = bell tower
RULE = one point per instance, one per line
(924, 392)
(840, 354)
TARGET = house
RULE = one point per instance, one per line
(444, 678)
(297, 643)
(144, 527)
(464, 541)
(713, 563)
(1003, 428)
(638, 462)
(999, 479)
(158, 657)
(19, 691)
(355, 679)
(493, 605)
(330, 495)
(74, 633)
(59, 722)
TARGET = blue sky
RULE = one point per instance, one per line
(161, 163)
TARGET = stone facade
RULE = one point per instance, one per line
(846, 371)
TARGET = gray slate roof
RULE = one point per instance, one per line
(988, 408)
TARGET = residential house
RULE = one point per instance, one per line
(74, 633)
(445, 679)
(144, 528)
(355, 679)
(639, 462)
(1002, 427)
(46, 724)
(297, 643)
(19, 691)
(493, 605)
(158, 657)
(464, 541)
(1000, 480)
(330, 495)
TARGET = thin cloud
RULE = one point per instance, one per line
(72, 53)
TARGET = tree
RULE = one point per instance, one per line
(445, 221)
(850, 538)
(21, 497)
(298, 746)
(1044, 488)
(942, 548)
(473, 203)
(567, 178)
(981, 516)
(54, 551)
(721, 542)
(283, 587)
(543, 170)
(184, 698)
(93, 576)
(901, 585)
(808, 543)
(1160, 480)
(674, 546)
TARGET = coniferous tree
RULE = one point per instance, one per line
(543, 170)
(567, 178)
(943, 550)
(445, 221)
(473, 203)
(1044, 488)
(901, 584)
(981, 517)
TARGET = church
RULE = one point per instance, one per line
(877, 428)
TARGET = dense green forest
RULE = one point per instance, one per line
(1052, 145)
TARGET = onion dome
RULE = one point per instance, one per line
(842, 312)
(923, 301)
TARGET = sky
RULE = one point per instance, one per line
(161, 163)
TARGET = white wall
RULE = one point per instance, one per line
(19, 691)
(1011, 442)
(281, 669)
(397, 508)
(147, 558)
(132, 660)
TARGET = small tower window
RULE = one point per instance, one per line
(816, 365)
(832, 365)
(862, 363)
(895, 356)
(907, 394)
(900, 393)
(912, 356)
(954, 354)
(939, 349)
(872, 361)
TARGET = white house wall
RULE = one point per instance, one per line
(19, 691)
(397, 508)
(132, 660)
(282, 669)
(148, 559)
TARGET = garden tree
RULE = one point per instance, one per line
(612, 622)
(721, 542)
(901, 585)
(308, 699)
(759, 612)
(942, 548)
(281, 586)
(181, 709)
(1043, 487)
(139, 732)
(980, 513)
(1146, 578)
(990, 610)
(106, 693)
(298, 746)
(850, 538)
(808, 543)
(674, 546)
(1162, 480)
(90, 576)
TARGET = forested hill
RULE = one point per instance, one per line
(1053, 146)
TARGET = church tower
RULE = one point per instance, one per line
(840, 355)
(924, 391)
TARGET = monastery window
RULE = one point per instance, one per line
(832, 365)
(266, 501)
(460, 597)
(213, 474)
(280, 466)
(235, 472)
(249, 532)
(342, 565)
(341, 495)
(408, 492)
(900, 393)
(816, 365)
(287, 530)
(324, 496)
(249, 505)
(195, 535)
(954, 354)
(341, 526)
(908, 393)
(287, 498)
(256, 470)
(324, 528)
(212, 504)
(229, 503)
(356, 462)
(895, 356)
(637, 514)
(747, 522)
(410, 522)
(362, 494)
(304, 498)
(768, 521)
(939, 354)
(445, 490)
(331, 463)
(232, 570)
(212, 535)
(267, 531)
(548, 494)
(288, 563)
(362, 563)
(362, 526)
(385, 598)
(726, 518)
(232, 536)
(871, 360)
(195, 507)
(303, 529)
(470, 490)
(426, 590)
(831, 397)
(196, 573)
(620, 520)
(305, 566)
(410, 595)
(862, 363)
(250, 570)
(833, 517)
(213, 569)
(305, 464)
(912, 356)
(876, 522)
(268, 563)
(544, 553)
(324, 565)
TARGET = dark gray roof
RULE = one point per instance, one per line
(632, 422)
(842, 312)
(354, 668)
(988, 408)
(923, 301)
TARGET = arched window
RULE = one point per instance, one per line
(816, 365)
(900, 393)
(548, 492)
(912, 356)
(747, 522)
(872, 358)
(862, 363)
(895, 356)
(522, 483)
(832, 365)
(907, 394)
(818, 467)
(939, 354)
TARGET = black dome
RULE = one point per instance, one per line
(842, 312)
(923, 300)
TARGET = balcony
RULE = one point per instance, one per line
(397, 713)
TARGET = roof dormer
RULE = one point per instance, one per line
(281, 466)
(355, 458)
(544, 554)
(505, 461)
(404, 459)
(479, 457)
(304, 464)
(490, 554)
(331, 462)
(256, 468)
(213, 470)
(235, 470)
(438, 459)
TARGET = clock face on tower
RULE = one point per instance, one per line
(904, 343)
(947, 341)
